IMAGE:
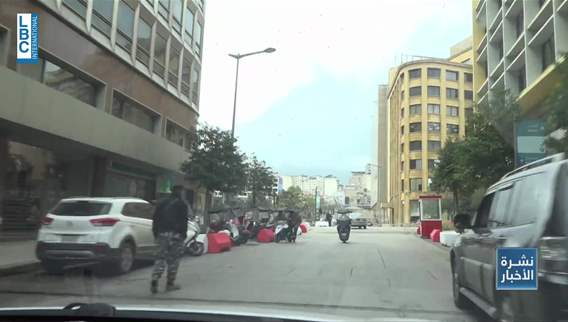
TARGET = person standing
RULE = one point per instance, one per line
(328, 218)
(169, 226)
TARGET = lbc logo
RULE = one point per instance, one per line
(27, 38)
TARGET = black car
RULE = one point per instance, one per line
(526, 208)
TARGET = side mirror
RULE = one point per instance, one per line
(462, 222)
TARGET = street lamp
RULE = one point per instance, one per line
(238, 57)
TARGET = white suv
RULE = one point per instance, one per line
(108, 231)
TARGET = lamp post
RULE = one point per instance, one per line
(238, 58)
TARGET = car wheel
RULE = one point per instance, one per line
(196, 249)
(125, 259)
(52, 268)
(364, 227)
(460, 301)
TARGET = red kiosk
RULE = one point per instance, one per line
(430, 214)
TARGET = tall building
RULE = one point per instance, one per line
(382, 148)
(516, 44)
(109, 108)
(428, 100)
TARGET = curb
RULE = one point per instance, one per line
(25, 267)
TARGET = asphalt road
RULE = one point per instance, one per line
(378, 274)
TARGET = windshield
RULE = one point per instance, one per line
(268, 124)
(81, 208)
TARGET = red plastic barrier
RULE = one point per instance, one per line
(435, 235)
(427, 226)
(304, 228)
(265, 236)
(218, 242)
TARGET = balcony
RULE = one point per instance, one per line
(517, 47)
(518, 62)
(483, 89)
(541, 17)
(515, 8)
(498, 70)
(483, 43)
(563, 8)
(496, 21)
(480, 11)
(499, 82)
(543, 33)
(497, 35)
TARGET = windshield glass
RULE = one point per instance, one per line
(285, 157)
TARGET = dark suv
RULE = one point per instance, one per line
(526, 208)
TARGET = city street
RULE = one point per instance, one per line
(380, 273)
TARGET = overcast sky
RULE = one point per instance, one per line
(310, 107)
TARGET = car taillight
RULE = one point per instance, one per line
(103, 222)
(553, 254)
(46, 221)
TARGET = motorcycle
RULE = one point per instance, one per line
(231, 227)
(192, 246)
(344, 229)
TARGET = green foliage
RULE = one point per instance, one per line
(260, 180)
(483, 157)
(557, 104)
(216, 162)
(291, 198)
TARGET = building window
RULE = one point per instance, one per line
(159, 54)
(402, 147)
(77, 6)
(198, 36)
(452, 75)
(452, 111)
(434, 127)
(414, 73)
(434, 73)
(144, 37)
(415, 210)
(134, 113)
(402, 185)
(177, 6)
(416, 164)
(519, 24)
(434, 109)
(453, 128)
(125, 28)
(434, 146)
(468, 77)
(452, 93)
(547, 51)
(468, 95)
(415, 109)
(415, 145)
(402, 112)
(164, 8)
(188, 17)
(102, 16)
(174, 65)
(468, 112)
(415, 184)
(434, 91)
(521, 80)
(401, 165)
(415, 91)
(415, 127)
(402, 130)
(195, 72)
(432, 164)
(402, 94)
(62, 79)
(177, 134)
(185, 74)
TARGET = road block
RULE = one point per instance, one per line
(218, 242)
(435, 235)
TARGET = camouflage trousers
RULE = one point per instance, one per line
(170, 250)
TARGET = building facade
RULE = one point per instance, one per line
(327, 187)
(382, 156)
(516, 45)
(109, 108)
(428, 100)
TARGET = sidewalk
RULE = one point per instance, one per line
(17, 256)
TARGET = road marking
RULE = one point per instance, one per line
(382, 259)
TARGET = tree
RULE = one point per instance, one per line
(215, 161)
(557, 104)
(291, 198)
(483, 157)
(260, 179)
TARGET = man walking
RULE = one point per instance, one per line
(328, 218)
(169, 226)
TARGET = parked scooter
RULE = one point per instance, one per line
(192, 246)
(344, 227)
(230, 227)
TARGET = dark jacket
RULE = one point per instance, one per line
(170, 216)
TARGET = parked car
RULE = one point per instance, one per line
(357, 220)
(112, 232)
(528, 207)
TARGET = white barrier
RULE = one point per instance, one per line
(448, 238)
